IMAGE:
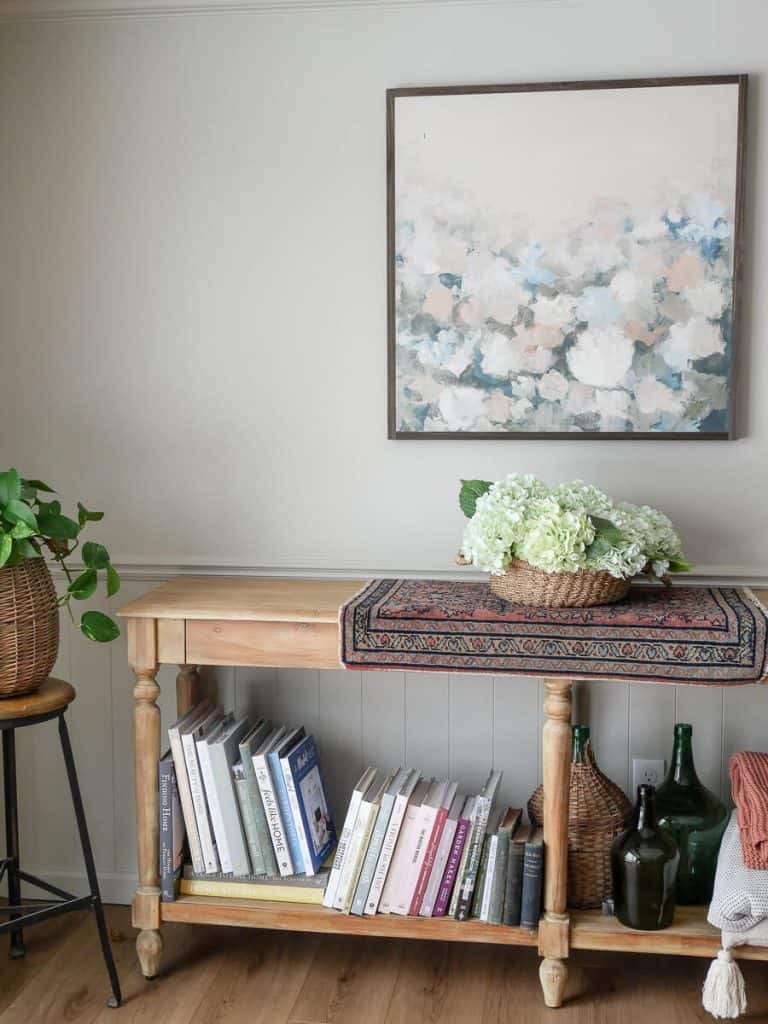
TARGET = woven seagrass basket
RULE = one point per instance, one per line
(598, 811)
(523, 583)
(29, 627)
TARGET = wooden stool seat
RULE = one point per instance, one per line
(52, 696)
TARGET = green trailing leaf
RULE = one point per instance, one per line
(470, 491)
(48, 508)
(38, 485)
(10, 486)
(95, 555)
(6, 546)
(84, 515)
(99, 627)
(17, 511)
(84, 586)
(113, 581)
(23, 548)
(58, 527)
(21, 530)
(607, 536)
(680, 565)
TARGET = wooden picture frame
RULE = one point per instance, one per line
(716, 425)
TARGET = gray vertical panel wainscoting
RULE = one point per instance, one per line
(443, 724)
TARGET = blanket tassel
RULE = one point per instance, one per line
(724, 994)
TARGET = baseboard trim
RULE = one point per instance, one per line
(114, 887)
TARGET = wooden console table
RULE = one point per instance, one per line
(293, 623)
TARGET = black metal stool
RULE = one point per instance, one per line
(50, 701)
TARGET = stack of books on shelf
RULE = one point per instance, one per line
(418, 847)
(249, 800)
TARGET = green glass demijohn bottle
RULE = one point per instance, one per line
(580, 735)
(694, 817)
(644, 864)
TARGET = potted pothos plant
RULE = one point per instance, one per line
(33, 527)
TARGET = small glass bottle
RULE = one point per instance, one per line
(579, 743)
(644, 862)
(694, 817)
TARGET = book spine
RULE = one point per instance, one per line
(165, 774)
(530, 900)
(185, 798)
(438, 869)
(448, 882)
(274, 818)
(499, 880)
(206, 770)
(249, 825)
(384, 862)
(475, 849)
(353, 861)
(428, 862)
(462, 864)
(401, 861)
(289, 825)
(492, 842)
(477, 897)
(269, 863)
(298, 819)
(249, 891)
(342, 847)
(514, 887)
(372, 854)
(210, 854)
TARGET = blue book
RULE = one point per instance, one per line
(318, 835)
(283, 802)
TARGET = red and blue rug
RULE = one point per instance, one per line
(703, 635)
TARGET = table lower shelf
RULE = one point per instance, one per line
(690, 934)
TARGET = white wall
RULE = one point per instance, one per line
(193, 339)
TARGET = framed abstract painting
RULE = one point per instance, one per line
(564, 258)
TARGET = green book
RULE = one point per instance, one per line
(391, 788)
(258, 836)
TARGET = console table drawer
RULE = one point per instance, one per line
(290, 644)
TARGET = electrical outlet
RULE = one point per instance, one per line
(647, 773)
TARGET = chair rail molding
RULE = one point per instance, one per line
(33, 10)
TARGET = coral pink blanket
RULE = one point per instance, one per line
(749, 783)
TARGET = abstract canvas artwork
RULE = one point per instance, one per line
(564, 259)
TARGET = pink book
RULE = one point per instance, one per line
(429, 857)
(451, 869)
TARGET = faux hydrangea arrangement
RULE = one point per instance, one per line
(563, 529)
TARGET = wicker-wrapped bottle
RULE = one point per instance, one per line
(598, 812)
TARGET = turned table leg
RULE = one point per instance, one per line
(554, 925)
(187, 689)
(142, 654)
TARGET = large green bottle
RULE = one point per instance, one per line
(694, 817)
(644, 865)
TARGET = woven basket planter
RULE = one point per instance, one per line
(525, 584)
(29, 627)
(598, 811)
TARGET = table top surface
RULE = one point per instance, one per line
(254, 599)
(257, 599)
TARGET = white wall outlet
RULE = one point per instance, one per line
(647, 773)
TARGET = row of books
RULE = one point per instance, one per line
(249, 797)
(417, 847)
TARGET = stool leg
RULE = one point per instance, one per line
(17, 949)
(90, 867)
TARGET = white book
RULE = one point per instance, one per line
(189, 736)
(390, 842)
(353, 859)
(442, 855)
(406, 844)
(269, 800)
(222, 753)
(182, 781)
(206, 773)
(485, 904)
(425, 821)
(349, 823)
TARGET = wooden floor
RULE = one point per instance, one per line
(237, 976)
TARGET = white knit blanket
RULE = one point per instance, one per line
(740, 898)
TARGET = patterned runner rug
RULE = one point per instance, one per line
(704, 635)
